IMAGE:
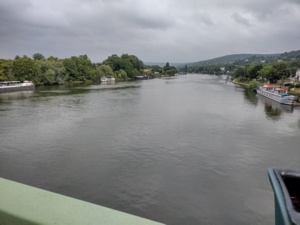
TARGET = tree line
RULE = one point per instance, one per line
(272, 67)
(246, 71)
(55, 71)
(263, 73)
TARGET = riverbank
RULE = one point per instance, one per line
(293, 91)
(244, 84)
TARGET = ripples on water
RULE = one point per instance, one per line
(185, 150)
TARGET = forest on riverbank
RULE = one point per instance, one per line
(55, 71)
(263, 67)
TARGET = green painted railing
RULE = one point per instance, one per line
(25, 205)
(286, 187)
(281, 213)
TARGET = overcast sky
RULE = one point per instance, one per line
(153, 30)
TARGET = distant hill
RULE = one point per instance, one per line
(233, 58)
(161, 64)
(230, 62)
(237, 59)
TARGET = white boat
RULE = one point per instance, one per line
(107, 79)
(111, 79)
(9, 86)
(277, 94)
(103, 79)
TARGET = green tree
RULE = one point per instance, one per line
(52, 72)
(185, 69)
(295, 63)
(114, 62)
(71, 68)
(48, 77)
(105, 71)
(61, 75)
(252, 71)
(129, 63)
(79, 68)
(135, 61)
(122, 74)
(239, 71)
(156, 68)
(280, 71)
(5, 70)
(169, 70)
(52, 58)
(84, 66)
(265, 73)
(25, 69)
(254, 84)
(38, 56)
(128, 67)
(293, 71)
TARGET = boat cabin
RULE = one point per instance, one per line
(281, 91)
(268, 87)
(10, 83)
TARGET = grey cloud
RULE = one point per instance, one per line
(240, 19)
(207, 20)
(154, 30)
(158, 23)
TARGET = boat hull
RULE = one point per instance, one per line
(17, 88)
(107, 80)
(286, 100)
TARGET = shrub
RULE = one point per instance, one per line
(254, 84)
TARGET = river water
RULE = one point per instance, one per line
(185, 150)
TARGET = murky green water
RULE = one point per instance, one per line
(186, 150)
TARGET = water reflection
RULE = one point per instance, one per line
(82, 89)
(250, 97)
(15, 95)
(272, 113)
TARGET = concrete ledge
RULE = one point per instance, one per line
(25, 205)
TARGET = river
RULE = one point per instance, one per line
(187, 150)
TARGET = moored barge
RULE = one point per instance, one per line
(9, 86)
(277, 94)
